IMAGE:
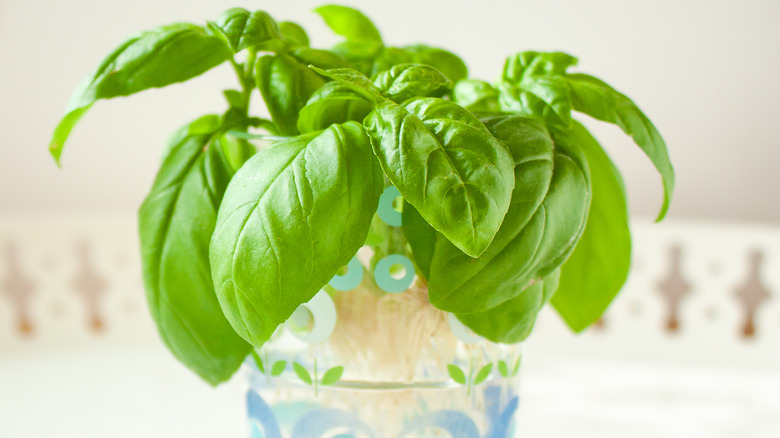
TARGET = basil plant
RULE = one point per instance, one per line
(508, 201)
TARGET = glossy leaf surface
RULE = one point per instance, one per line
(293, 34)
(405, 81)
(598, 267)
(242, 29)
(476, 96)
(600, 101)
(447, 165)
(512, 321)
(150, 59)
(547, 215)
(292, 216)
(286, 84)
(175, 225)
(349, 23)
(334, 103)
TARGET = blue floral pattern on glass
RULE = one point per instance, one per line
(497, 419)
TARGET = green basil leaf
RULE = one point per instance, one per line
(449, 64)
(546, 97)
(353, 79)
(207, 124)
(585, 292)
(456, 374)
(234, 98)
(405, 81)
(349, 23)
(600, 101)
(175, 224)
(533, 84)
(150, 59)
(476, 96)
(302, 373)
(388, 57)
(360, 54)
(432, 149)
(318, 58)
(286, 85)
(242, 29)
(545, 219)
(332, 376)
(334, 103)
(446, 62)
(292, 216)
(512, 321)
(483, 374)
(237, 151)
(530, 63)
(293, 34)
(421, 237)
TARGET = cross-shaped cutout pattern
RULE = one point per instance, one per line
(90, 286)
(752, 293)
(18, 288)
(673, 288)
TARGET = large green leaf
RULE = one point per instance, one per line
(476, 96)
(294, 34)
(292, 216)
(598, 267)
(349, 23)
(360, 54)
(513, 320)
(242, 29)
(154, 58)
(405, 81)
(286, 84)
(600, 101)
(318, 58)
(447, 165)
(353, 79)
(175, 224)
(449, 64)
(546, 217)
(531, 63)
(334, 103)
(533, 84)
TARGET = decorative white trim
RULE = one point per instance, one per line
(77, 280)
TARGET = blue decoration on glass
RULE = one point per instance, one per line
(500, 408)
(351, 279)
(384, 278)
(386, 211)
(260, 414)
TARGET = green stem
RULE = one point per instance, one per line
(248, 78)
(316, 381)
(471, 372)
(267, 368)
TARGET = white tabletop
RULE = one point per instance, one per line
(141, 391)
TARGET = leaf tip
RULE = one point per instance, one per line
(55, 149)
(668, 189)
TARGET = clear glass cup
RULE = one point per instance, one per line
(369, 356)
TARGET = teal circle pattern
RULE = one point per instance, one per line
(386, 212)
(351, 279)
(386, 281)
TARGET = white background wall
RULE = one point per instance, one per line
(704, 71)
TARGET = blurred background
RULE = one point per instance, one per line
(692, 347)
